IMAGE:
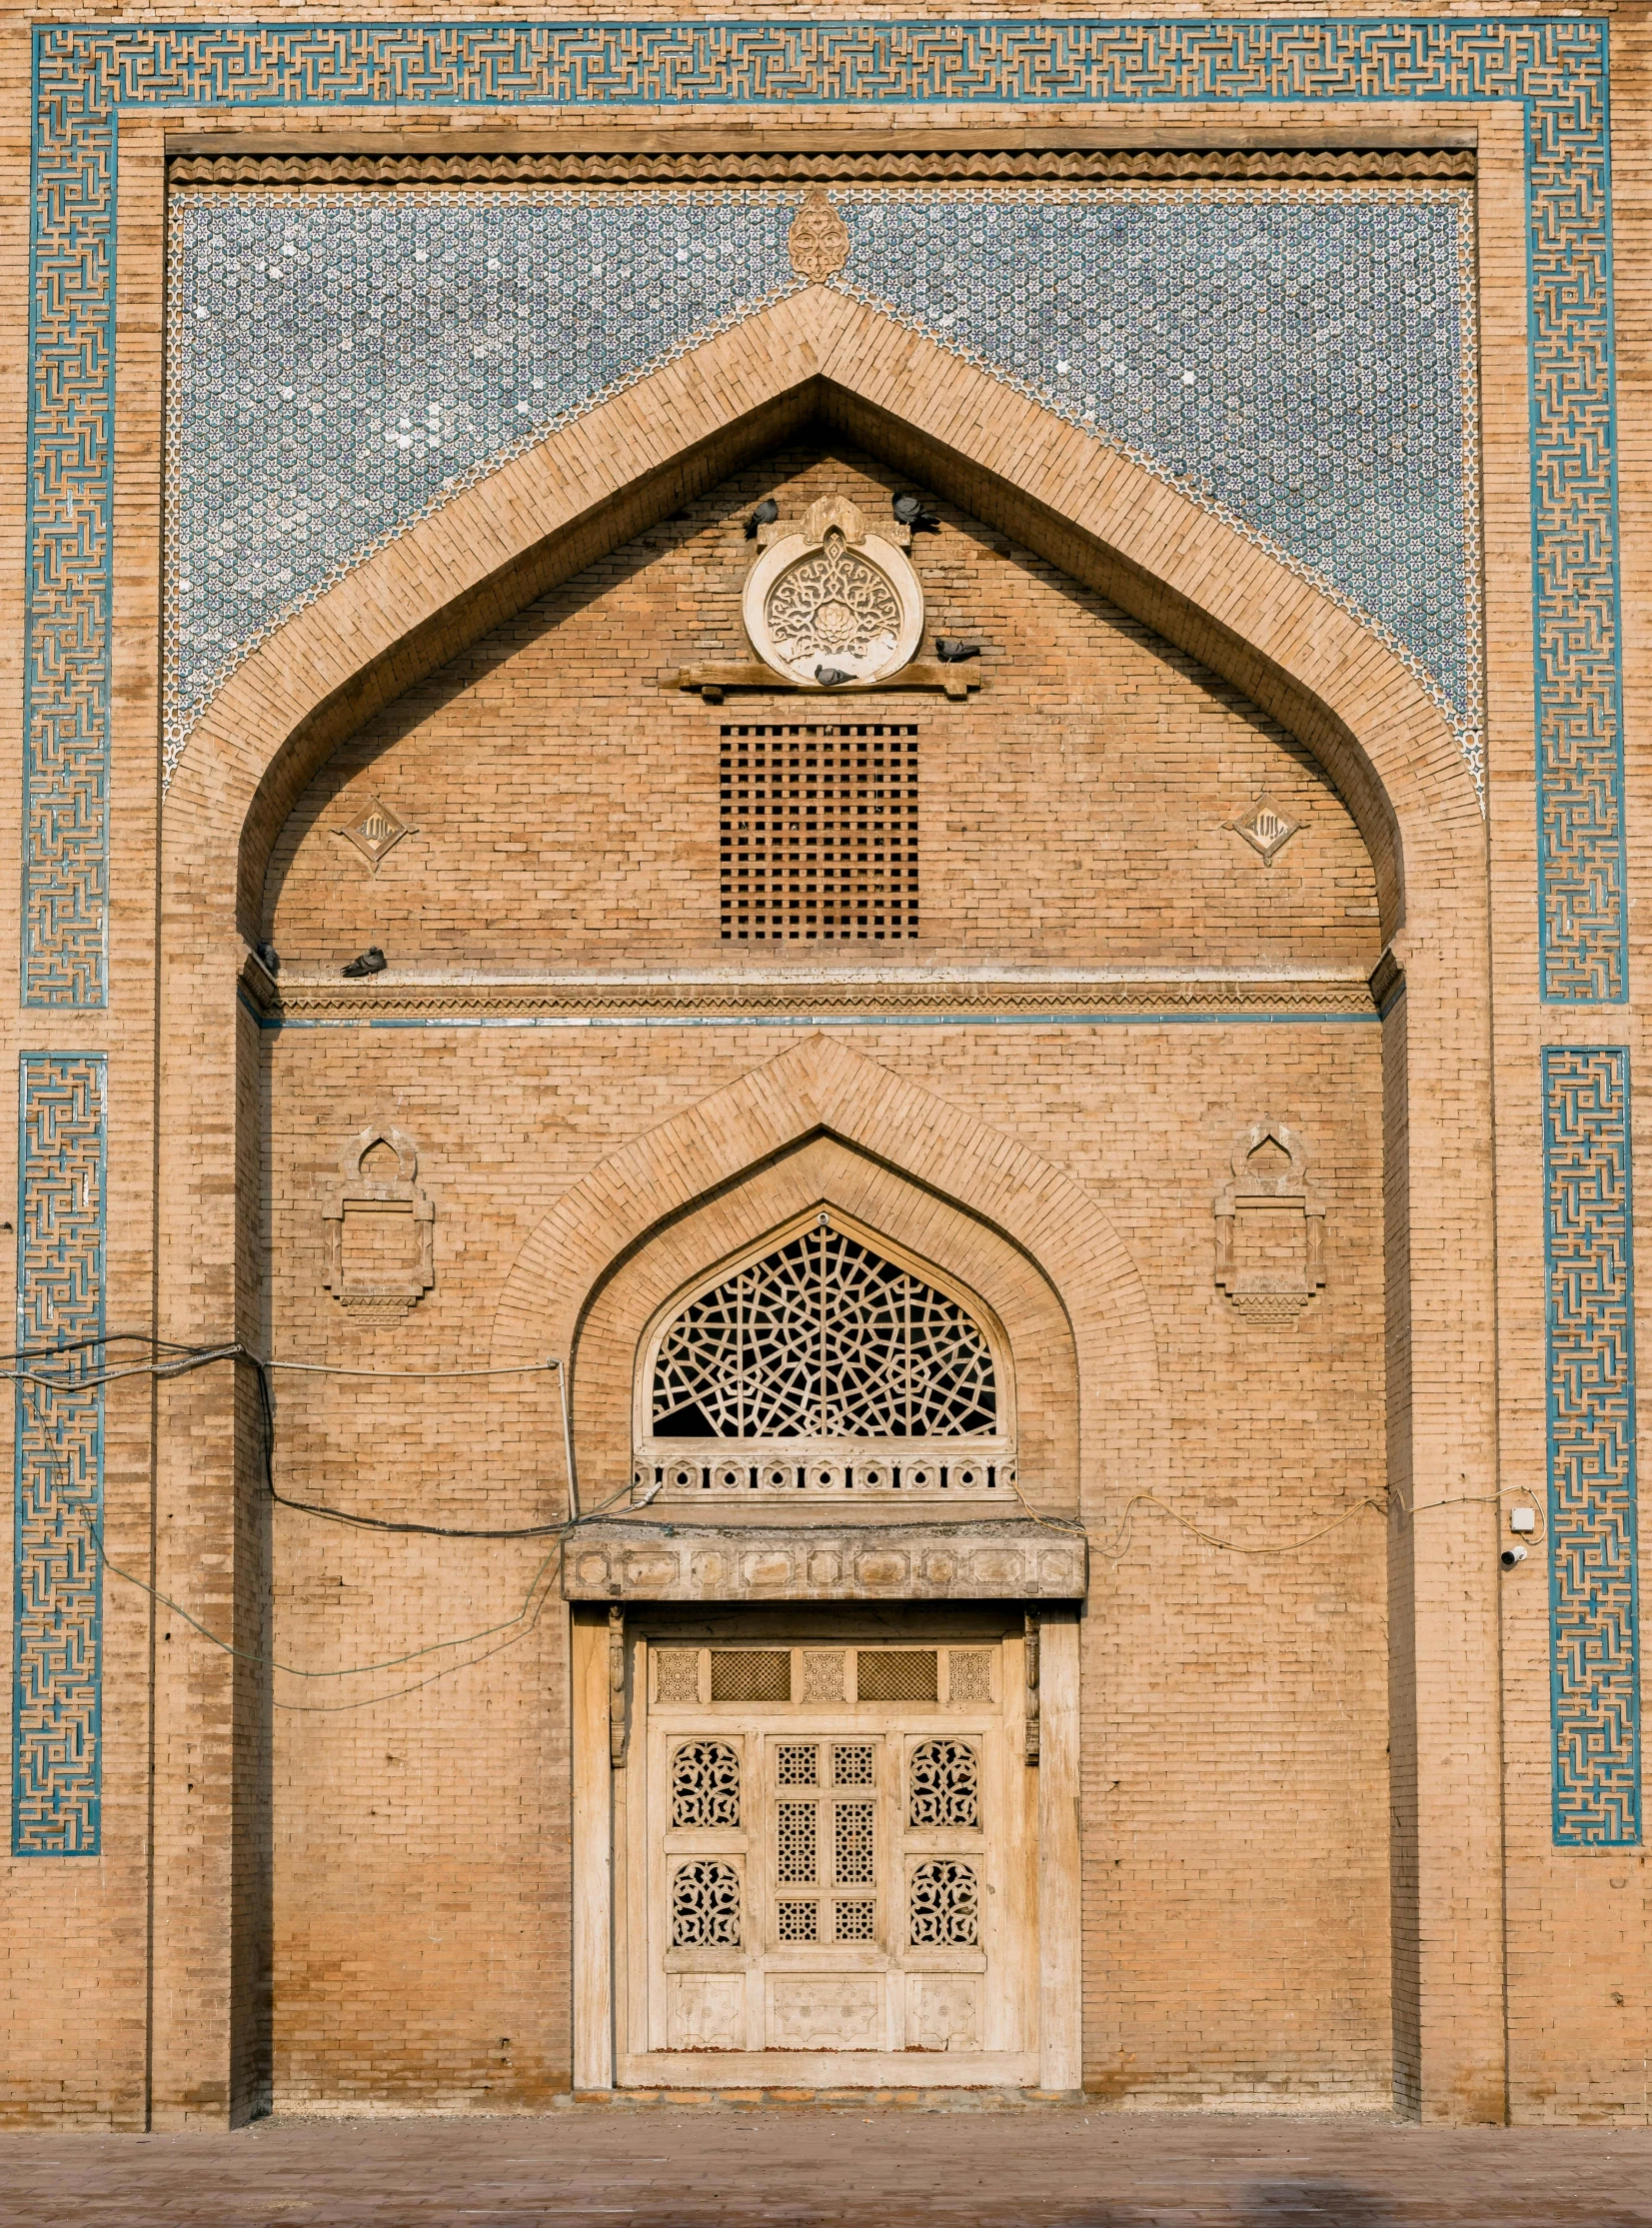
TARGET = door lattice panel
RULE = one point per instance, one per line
(945, 1778)
(820, 834)
(945, 1905)
(705, 1905)
(706, 1784)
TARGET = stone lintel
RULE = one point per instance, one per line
(1018, 1559)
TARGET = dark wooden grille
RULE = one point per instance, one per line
(820, 834)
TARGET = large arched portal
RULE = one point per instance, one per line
(1116, 998)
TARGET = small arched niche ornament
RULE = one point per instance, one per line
(1270, 1228)
(380, 1228)
(828, 594)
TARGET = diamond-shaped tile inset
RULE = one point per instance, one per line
(375, 831)
(1266, 829)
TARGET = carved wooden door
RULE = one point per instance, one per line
(832, 1876)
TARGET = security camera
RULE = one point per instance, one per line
(1511, 1556)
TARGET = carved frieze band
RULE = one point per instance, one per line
(57, 1593)
(1593, 1622)
(623, 1561)
(86, 74)
(382, 998)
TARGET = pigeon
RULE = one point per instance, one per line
(952, 652)
(830, 677)
(369, 961)
(270, 958)
(913, 512)
(766, 512)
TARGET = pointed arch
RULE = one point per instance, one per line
(596, 483)
(1059, 1273)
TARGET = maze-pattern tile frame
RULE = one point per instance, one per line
(57, 1593)
(86, 74)
(1590, 1320)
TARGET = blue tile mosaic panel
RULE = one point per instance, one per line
(87, 74)
(1591, 1442)
(1299, 361)
(57, 1591)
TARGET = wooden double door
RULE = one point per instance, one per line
(831, 1866)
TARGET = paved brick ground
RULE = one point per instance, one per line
(811, 2168)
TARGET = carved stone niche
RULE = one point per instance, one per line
(1270, 1228)
(827, 591)
(380, 1228)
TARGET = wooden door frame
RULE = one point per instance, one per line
(599, 1793)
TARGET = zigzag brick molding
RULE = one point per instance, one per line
(86, 76)
(1591, 1405)
(57, 1589)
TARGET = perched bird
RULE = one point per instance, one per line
(270, 959)
(831, 677)
(766, 512)
(952, 652)
(913, 511)
(369, 961)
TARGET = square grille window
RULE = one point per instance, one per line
(820, 834)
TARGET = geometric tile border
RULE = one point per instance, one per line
(57, 1593)
(86, 74)
(1595, 1690)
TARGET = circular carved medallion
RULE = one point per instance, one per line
(828, 596)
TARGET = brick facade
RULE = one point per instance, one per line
(1323, 1849)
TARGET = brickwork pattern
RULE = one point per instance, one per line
(568, 810)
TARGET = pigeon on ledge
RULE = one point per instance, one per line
(369, 961)
(913, 512)
(766, 512)
(271, 958)
(952, 652)
(831, 677)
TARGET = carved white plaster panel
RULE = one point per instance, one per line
(828, 593)
(681, 1562)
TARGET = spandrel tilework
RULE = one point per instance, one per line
(1301, 363)
(58, 1486)
(342, 364)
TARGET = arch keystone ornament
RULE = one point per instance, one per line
(830, 596)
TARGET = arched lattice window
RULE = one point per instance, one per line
(824, 1364)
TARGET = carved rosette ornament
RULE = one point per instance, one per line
(828, 596)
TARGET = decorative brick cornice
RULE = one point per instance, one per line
(848, 166)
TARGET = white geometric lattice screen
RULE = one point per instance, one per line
(823, 1338)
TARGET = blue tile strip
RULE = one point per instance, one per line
(56, 1594)
(1594, 1634)
(87, 74)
